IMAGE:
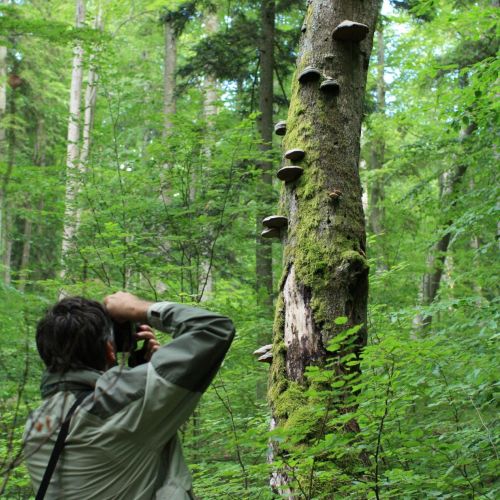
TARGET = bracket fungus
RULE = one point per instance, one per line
(270, 232)
(266, 358)
(289, 174)
(335, 194)
(263, 350)
(295, 154)
(309, 74)
(350, 31)
(280, 128)
(330, 86)
(277, 221)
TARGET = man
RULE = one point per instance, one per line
(122, 441)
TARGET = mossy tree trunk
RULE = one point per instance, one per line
(325, 269)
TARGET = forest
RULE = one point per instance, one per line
(323, 172)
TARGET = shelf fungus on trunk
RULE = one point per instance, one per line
(309, 74)
(277, 221)
(271, 232)
(264, 354)
(290, 173)
(295, 154)
(330, 86)
(263, 350)
(350, 31)
(280, 128)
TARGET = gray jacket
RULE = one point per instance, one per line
(122, 441)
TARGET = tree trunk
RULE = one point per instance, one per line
(73, 166)
(263, 257)
(169, 68)
(38, 159)
(210, 98)
(90, 102)
(3, 135)
(377, 151)
(7, 242)
(325, 268)
(450, 183)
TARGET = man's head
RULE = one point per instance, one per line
(75, 333)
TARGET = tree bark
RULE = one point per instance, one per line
(3, 135)
(210, 110)
(39, 160)
(169, 69)
(325, 268)
(263, 257)
(377, 150)
(73, 166)
(89, 103)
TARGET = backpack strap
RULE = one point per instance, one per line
(58, 447)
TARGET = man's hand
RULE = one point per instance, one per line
(123, 306)
(151, 345)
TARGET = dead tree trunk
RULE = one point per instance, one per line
(263, 257)
(325, 268)
(73, 172)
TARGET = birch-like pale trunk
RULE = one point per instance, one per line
(89, 106)
(73, 166)
(325, 272)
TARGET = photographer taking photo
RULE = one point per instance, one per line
(121, 422)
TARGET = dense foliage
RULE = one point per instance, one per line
(172, 217)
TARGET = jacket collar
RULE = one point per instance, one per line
(73, 380)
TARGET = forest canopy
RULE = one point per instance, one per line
(140, 144)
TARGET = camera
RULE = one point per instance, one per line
(123, 334)
(125, 342)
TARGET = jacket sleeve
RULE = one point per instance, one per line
(150, 402)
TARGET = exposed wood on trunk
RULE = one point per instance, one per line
(325, 268)
(73, 172)
(263, 257)
(450, 183)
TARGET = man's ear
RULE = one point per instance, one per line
(110, 354)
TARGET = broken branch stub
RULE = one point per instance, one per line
(277, 221)
(289, 174)
(350, 31)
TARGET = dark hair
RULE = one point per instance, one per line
(73, 335)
